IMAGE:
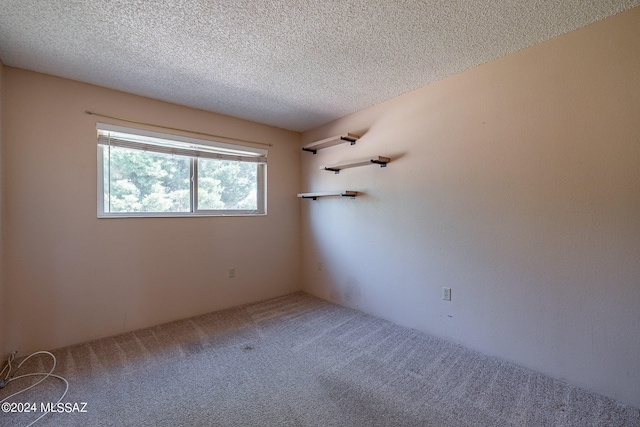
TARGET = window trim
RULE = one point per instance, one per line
(232, 152)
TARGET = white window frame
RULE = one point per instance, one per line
(186, 147)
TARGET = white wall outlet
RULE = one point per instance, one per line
(446, 294)
(232, 273)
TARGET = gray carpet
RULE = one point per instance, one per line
(300, 361)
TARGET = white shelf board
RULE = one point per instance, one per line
(315, 195)
(330, 142)
(337, 167)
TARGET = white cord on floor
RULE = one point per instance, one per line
(11, 377)
(7, 368)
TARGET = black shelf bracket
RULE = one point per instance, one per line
(351, 141)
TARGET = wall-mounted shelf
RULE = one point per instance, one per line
(313, 147)
(314, 196)
(337, 167)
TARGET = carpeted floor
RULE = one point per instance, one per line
(300, 361)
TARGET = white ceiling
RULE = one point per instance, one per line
(295, 64)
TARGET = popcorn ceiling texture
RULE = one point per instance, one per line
(295, 64)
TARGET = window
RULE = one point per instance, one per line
(144, 173)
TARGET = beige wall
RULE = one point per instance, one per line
(517, 184)
(2, 307)
(71, 277)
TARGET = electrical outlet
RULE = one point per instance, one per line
(446, 294)
(232, 273)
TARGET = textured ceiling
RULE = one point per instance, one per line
(295, 64)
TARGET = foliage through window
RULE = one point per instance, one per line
(150, 174)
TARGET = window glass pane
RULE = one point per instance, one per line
(227, 185)
(139, 181)
(143, 175)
